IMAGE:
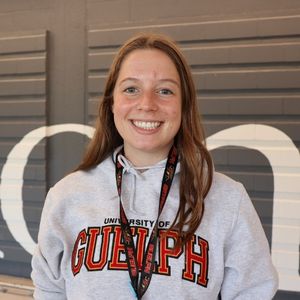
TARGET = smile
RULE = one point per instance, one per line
(146, 125)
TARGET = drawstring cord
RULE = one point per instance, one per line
(127, 167)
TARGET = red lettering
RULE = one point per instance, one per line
(192, 258)
(166, 251)
(89, 242)
(94, 232)
(118, 248)
(132, 261)
(141, 242)
(149, 258)
(78, 254)
(164, 191)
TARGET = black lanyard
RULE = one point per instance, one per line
(140, 286)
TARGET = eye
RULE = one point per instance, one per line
(130, 90)
(165, 92)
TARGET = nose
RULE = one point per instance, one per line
(147, 102)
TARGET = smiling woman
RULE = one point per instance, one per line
(147, 106)
(105, 231)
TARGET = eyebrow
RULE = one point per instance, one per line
(160, 80)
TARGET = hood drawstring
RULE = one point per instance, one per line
(129, 188)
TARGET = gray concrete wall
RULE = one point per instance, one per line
(245, 57)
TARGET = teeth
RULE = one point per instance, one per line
(146, 125)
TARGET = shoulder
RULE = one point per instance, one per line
(223, 184)
(229, 207)
(80, 184)
(79, 177)
(226, 196)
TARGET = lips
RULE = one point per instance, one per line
(146, 125)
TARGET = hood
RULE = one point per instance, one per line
(130, 176)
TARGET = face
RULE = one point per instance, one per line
(147, 104)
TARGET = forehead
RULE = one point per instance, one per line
(151, 61)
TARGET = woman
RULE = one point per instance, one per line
(144, 216)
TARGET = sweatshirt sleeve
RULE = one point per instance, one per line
(249, 272)
(46, 261)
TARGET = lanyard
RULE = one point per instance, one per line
(140, 286)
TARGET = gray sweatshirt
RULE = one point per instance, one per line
(80, 253)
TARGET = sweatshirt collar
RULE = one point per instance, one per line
(130, 168)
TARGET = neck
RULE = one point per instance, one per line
(143, 158)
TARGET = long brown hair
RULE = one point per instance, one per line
(195, 161)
